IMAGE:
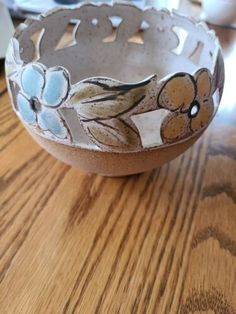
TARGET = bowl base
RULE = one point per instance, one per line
(112, 164)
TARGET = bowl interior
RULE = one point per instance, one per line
(120, 42)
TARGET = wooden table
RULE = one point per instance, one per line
(162, 242)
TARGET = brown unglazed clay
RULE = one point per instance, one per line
(111, 163)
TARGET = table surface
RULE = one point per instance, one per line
(159, 242)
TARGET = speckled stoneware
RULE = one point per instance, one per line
(115, 101)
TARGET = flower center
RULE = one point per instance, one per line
(36, 107)
(194, 109)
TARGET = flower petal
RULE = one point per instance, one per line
(32, 79)
(50, 120)
(56, 87)
(204, 83)
(204, 115)
(175, 127)
(25, 110)
(178, 92)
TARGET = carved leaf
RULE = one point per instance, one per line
(105, 99)
(115, 134)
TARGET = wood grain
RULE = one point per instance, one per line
(161, 242)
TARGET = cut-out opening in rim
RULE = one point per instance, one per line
(36, 39)
(182, 34)
(136, 38)
(197, 52)
(94, 22)
(144, 26)
(68, 37)
(115, 20)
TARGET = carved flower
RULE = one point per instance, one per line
(190, 101)
(41, 92)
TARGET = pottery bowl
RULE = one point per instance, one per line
(114, 89)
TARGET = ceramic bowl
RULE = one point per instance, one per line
(114, 100)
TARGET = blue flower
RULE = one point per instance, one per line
(42, 91)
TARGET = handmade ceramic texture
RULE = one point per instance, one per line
(115, 101)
